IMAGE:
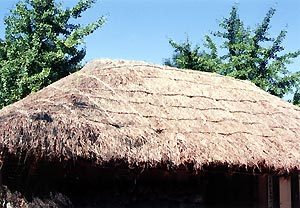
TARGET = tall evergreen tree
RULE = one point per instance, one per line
(41, 46)
(249, 55)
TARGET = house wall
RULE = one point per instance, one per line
(124, 187)
(295, 191)
(234, 190)
(263, 192)
(279, 192)
(285, 192)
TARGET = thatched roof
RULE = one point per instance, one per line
(139, 113)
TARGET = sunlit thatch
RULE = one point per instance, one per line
(139, 113)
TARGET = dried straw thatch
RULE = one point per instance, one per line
(139, 113)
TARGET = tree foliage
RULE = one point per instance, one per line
(42, 44)
(296, 98)
(186, 57)
(248, 54)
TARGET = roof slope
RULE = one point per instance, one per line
(143, 113)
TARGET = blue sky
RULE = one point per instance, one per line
(140, 29)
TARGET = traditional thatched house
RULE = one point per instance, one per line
(132, 134)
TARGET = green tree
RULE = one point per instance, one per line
(248, 54)
(2, 50)
(42, 44)
(186, 57)
(296, 98)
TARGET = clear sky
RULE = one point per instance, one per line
(140, 29)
